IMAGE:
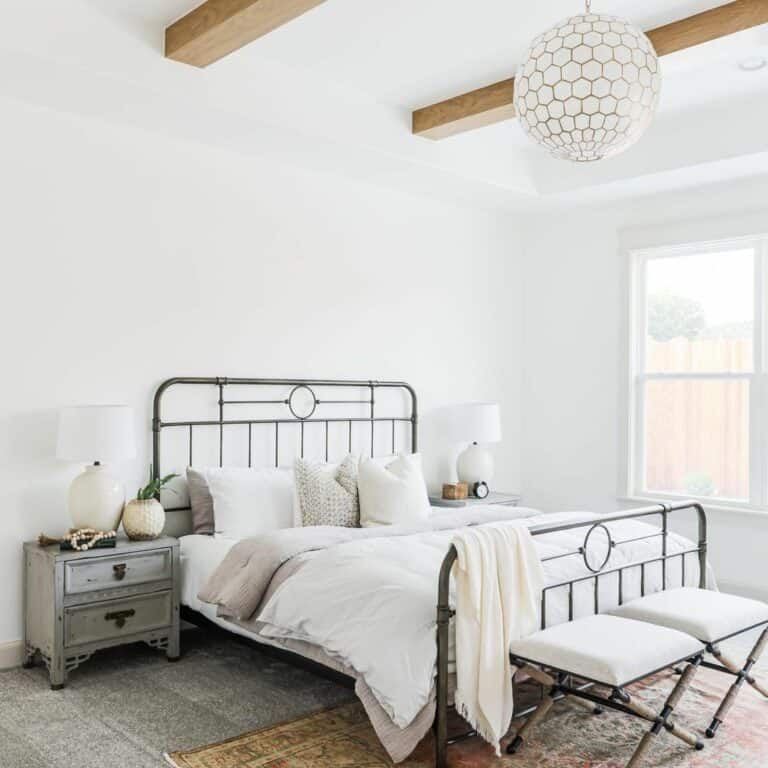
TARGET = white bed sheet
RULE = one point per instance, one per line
(200, 556)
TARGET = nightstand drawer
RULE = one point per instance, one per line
(126, 570)
(103, 621)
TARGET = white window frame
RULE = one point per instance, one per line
(633, 470)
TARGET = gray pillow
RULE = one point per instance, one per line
(201, 502)
(327, 493)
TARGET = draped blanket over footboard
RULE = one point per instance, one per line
(365, 598)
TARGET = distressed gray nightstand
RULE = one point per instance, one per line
(76, 603)
(494, 497)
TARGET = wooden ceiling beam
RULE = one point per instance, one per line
(216, 28)
(495, 103)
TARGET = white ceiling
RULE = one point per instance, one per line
(333, 90)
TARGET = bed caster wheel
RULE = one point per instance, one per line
(28, 665)
(598, 711)
(712, 730)
(173, 659)
(514, 745)
(57, 686)
(699, 745)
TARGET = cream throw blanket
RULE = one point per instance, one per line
(499, 579)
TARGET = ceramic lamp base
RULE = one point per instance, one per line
(475, 465)
(96, 499)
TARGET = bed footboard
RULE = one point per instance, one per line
(594, 527)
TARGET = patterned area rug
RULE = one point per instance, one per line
(569, 738)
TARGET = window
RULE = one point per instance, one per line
(696, 373)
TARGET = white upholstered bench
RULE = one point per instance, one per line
(611, 652)
(711, 617)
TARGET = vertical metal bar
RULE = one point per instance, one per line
(393, 436)
(350, 437)
(373, 423)
(326, 442)
(250, 442)
(190, 445)
(621, 586)
(221, 425)
(414, 420)
(277, 444)
(443, 622)
(570, 601)
(302, 440)
(702, 545)
(683, 568)
(665, 533)
(544, 609)
(597, 595)
(642, 580)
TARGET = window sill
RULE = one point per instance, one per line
(722, 509)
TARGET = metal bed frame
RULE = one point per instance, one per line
(291, 391)
(445, 612)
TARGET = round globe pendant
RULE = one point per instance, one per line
(588, 87)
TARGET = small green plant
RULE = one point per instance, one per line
(154, 486)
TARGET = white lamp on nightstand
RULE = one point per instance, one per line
(96, 433)
(476, 423)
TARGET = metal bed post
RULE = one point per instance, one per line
(444, 614)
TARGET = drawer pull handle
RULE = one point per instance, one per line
(119, 617)
(119, 571)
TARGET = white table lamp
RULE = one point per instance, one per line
(475, 423)
(96, 433)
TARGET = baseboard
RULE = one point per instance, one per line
(11, 654)
(745, 590)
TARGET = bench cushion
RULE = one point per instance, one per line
(710, 616)
(607, 649)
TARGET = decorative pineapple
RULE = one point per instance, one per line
(144, 517)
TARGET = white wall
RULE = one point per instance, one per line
(127, 259)
(574, 313)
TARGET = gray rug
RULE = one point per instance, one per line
(126, 706)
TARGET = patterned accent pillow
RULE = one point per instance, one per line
(327, 493)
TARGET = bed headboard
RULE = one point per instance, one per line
(220, 421)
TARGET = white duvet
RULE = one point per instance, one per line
(371, 603)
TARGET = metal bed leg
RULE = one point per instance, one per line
(742, 675)
(662, 719)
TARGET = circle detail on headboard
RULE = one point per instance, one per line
(302, 402)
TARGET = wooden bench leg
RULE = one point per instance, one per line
(662, 719)
(538, 715)
(742, 676)
(544, 678)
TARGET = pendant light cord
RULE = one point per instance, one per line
(588, 4)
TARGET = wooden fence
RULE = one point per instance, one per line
(697, 431)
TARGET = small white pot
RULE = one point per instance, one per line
(143, 520)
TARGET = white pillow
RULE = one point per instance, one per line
(247, 502)
(395, 494)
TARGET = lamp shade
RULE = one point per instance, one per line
(90, 433)
(474, 423)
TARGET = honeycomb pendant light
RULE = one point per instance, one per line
(588, 87)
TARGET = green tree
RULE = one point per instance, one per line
(671, 315)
